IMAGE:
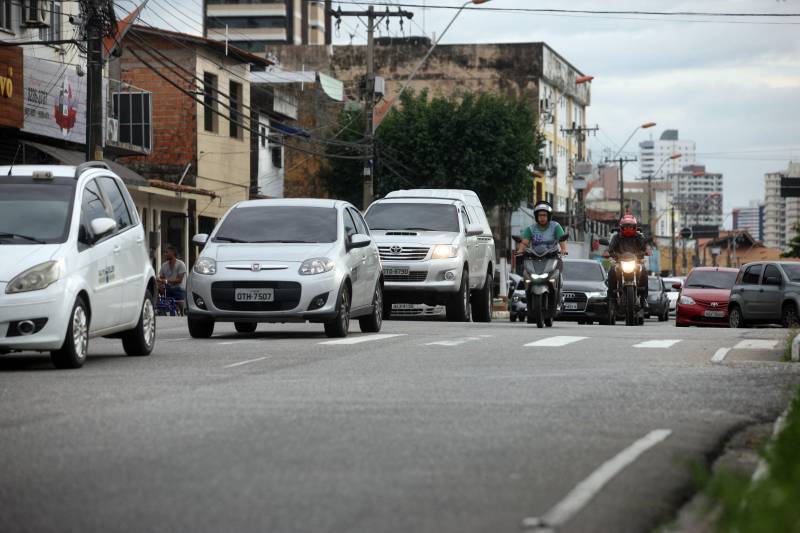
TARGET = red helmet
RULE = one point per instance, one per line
(628, 225)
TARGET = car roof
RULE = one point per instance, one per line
(583, 261)
(714, 269)
(58, 171)
(454, 194)
(293, 202)
(417, 200)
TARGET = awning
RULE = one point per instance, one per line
(75, 158)
(291, 130)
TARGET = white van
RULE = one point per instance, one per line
(436, 248)
(73, 263)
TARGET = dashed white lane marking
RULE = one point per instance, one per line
(720, 355)
(587, 489)
(456, 342)
(175, 340)
(365, 338)
(240, 363)
(243, 341)
(554, 342)
(756, 344)
(657, 344)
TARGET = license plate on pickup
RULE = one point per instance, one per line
(714, 314)
(570, 306)
(254, 295)
(395, 271)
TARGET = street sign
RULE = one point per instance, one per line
(583, 168)
(686, 233)
(705, 231)
(579, 183)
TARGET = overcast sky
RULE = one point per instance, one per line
(730, 85)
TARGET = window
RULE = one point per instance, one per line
(118, 207)
(772, 272)
(361, 225)
(134, 112)
(235, 111)
(93, 206)
(209, 102)
(245, 22)
(41, 211)
(277, 157)
(465, 219)
(263, 136)
(349, 224)
(5, 15)
(51, 32)
(413, 217)
(279, 224)
(752, 275)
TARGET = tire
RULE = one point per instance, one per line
(340, 326)
(513, 317)
(736, 318)
(789, 317)
(588, 322)
(663, 317)
(73, 352)
(535, 311)
(458, 308)
(200, 328)
(482, 301)
(630, 305)
(373, 322)
(245, 327)
(141, 340)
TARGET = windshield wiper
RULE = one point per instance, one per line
(701, 286)
(228, 239)
(285, 241)
(20, 236)
(418, 229)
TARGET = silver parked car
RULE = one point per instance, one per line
(287, 261)
(766, 293)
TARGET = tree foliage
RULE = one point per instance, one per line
(482, 142)
(794, 244)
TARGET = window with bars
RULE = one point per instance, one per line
(134, 112)
(51, 32)
(5, 15)
(235, 111)
(209, 102)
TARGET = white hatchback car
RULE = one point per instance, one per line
(286, 261)
(74, 263)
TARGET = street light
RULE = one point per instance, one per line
(379, 119)
(623, 161)
(650, 189)
(583, 79)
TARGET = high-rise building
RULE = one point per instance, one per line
(698, 194)
(654, 156)
(781, 215)
(750, 219)
(253, 25)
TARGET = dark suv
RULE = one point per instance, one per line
(766, 293)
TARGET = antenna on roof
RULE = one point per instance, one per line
(14, 161)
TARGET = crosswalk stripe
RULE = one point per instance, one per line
(554, 342)
(364, 338)
(657, 344)
(756, 344)
(453, 342)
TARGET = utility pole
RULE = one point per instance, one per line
(94, 81)
(373, 19)
(622, 161)
(580, 135)
(672, 228)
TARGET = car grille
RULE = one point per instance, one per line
(577, 298)
(403, 253)
(422, 310)
(720, 306)
(413, 276)
(287, 295)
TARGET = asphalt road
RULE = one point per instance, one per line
(428, 427)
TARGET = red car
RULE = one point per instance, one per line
(704, 297)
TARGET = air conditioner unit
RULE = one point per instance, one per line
(112, 130)
(37, 13)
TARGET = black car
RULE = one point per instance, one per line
(583, 296)
(657, 299)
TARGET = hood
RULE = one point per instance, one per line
(584, 286)
(423, 238)
(16, 258)
(707, 295)
(288, 253)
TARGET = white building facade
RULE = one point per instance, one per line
(781, 215)
(654, 156)
(698, 194)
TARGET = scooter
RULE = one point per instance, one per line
(542, 275)
(629, 305)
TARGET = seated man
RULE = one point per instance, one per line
(172, 277)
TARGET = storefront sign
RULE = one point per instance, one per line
(11, 87)
(55, 100)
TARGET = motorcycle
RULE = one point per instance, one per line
(542, 275)
(629, 305)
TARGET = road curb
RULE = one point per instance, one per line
(796, 349)
(500, 315)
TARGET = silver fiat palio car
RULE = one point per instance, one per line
(286, 261)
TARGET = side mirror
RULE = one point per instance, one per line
(473, 230)
(200, 239)
(102, 227)
(358, 241)
(677, 286)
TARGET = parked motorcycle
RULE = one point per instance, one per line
(542, 274)
(629, 305)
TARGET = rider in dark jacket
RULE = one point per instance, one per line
(628, 240)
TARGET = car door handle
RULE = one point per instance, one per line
(117, 249)
(139, 239)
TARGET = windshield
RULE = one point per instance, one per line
(287, 224)
(583, 272)
(35, 212)
(413, 217)
(792, 271)
(711, 280)
(654, 284)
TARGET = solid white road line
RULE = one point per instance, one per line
(720, 355)
(364, 338)
(657, 344)
(453, 342)
(587, 489)
(175, 340)
(555, 342)
(245, 362)
(242, 341)
(756, 344)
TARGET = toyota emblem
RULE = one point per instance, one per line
(714, 304)
(395, 249)
(256, 267)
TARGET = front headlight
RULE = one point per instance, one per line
(35, 278)
(444, 251)
(205, 266)
(687, 300)
(591, 295)
(539, 276)
(515, 299)
(317, 265)
(628, 266)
